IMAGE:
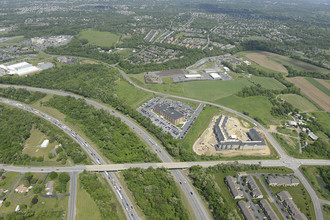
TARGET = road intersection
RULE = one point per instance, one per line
(195, 201)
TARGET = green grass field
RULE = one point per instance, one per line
(269, 83)
(290, 145)
(299, 102)
(131, 95)
(86, 207)
(10, 179)
(204, 90)
(318, 85)
(13, 41)
(313, 175)
(256, 106)
(300, 197)
(201, 123)
(98, 38)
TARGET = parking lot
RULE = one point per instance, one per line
(179, 131)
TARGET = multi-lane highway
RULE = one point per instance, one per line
(95, 157)
(194, 200)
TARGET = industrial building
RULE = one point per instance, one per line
(169, 113)
(225, 142)
(20, 69)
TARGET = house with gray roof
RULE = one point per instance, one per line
(246, 211)
(287, 201)
(255, 191)
(282, 181)
(268, 210)
(234, 187)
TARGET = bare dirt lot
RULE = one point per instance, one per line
(312, 92)
(205, 145)
(170, 72)
(262, 59)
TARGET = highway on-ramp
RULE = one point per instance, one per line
(195, 200)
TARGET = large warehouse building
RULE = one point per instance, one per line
(255, 142)
(169, 113)
(20, 69)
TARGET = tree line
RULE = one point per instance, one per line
(21, 95)
(114, 138)
(156, 193)
(15, 127)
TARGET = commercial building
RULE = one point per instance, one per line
(193, 76)
(282, 181)
(215, 75)
(20, 69)
(286, 199)
(245, 209)
(234, 187)
(226, 143)
(169, 113)
(267, 209)
(255, 191)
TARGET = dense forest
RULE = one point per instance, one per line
(21, 95)
(114, 138)
(15, 127)
(156, 193)
(100, 194)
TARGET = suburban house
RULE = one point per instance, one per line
(282, 181)
(255, 191)
(234, 187)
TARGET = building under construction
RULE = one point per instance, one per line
(225, 142)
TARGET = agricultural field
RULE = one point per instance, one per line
(313, 175)
(312, 92)
(324, 87)
(299, 102)
(98, 38)
(268, 83)
(262, 58)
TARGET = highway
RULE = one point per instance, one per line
(95, 157)
(195, 201)
(73, 196)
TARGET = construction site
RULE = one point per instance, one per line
(229, 137)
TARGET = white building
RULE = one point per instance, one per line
(44, 144)
(226, 68)
(20, 69)
(215, 75)
(193, 76)
(17, 209)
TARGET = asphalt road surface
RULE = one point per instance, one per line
(201, 212)
(95, 157)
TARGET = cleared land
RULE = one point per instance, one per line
(98, 38)
(262, 59)
(299, 102)
(205, 144)
(312, 92)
